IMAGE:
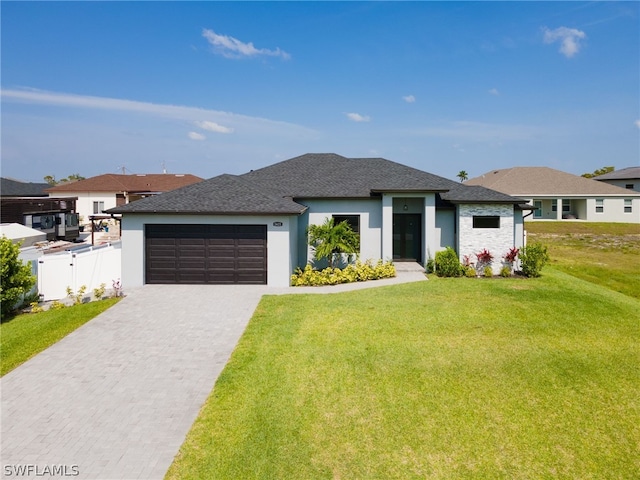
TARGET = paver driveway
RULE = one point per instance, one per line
(115, 399)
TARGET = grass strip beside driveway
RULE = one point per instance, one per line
(450, 378)
(27, 334)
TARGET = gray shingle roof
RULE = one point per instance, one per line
(629, 173)
(225, 194)
(15, 188)
(273, 189)
(474, 194)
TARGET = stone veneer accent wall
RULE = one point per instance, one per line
(497, 240)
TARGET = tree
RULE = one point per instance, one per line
(328, 240)
(16, 277)
(74, 177)
(599, 171)
(463, 175)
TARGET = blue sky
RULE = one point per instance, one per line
(225, 87)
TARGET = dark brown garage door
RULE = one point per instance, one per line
(218, 254)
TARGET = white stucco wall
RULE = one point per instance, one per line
(497, 240)
(84, 204)
(623, 183)
(445, 231)
(279, 250)
(370, 212)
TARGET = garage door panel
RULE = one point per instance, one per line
(224, 254)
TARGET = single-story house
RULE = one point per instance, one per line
(103, 192)
(559, 195)
(251, 228)
(628, 178)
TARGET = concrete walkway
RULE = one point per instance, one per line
(116, 398)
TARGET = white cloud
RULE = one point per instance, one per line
(230, 47)
(356, 117)
(213, 127)
(494, 91)
(196, 136)
(409, 99)
(232, 121)
(569, 39)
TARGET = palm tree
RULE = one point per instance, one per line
(462, 175)
(328, 240)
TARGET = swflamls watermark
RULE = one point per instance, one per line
(29, 470)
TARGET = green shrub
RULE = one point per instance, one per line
(532, 258)
(98, 292)
(430, 267)
(78, 296)
(447, 263)
(505, 272)
(488, 271)
(16, 278)
(358, 272)
(470, 272)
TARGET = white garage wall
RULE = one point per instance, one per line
(279, 257)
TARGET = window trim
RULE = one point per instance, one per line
(98, 207)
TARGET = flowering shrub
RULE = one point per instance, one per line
(511, 255)
(358, 272)
(484, 257)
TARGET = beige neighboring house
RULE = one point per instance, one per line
(628, 178)
(102, 192)
(559, 195)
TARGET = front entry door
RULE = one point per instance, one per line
(407, 237)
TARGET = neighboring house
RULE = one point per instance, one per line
(252, 228)
(628, 178)
(103, 192)
(559, 195)
(28, 204)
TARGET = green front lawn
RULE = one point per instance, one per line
(26, 335)
(449, 378)
(607, 254)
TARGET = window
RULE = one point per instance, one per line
(489, 221)
(98, 207)
(629, 186)
(352, 220)
(628, 205)
(538, 212)
(566, 206)
(599, 205)
(554, 205)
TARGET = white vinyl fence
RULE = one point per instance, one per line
(89, 266)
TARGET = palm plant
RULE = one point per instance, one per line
(463, 175)
(329, 240)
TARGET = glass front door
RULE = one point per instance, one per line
(407, 237)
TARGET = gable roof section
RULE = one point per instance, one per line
(15, 188)
(224, 194)
(629, 173)
(526, 181)
(111, 182)
(276, 189)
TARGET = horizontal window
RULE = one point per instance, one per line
(488, 221)
(629, 186)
